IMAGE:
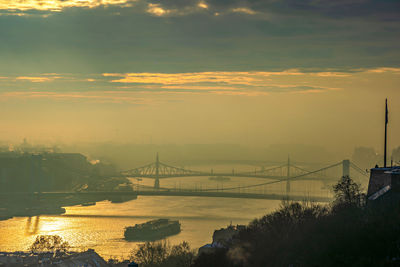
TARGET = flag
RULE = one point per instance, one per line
(386, 114)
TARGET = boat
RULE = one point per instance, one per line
(152, 230)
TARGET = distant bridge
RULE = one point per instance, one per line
(283, 173)
(179, 193)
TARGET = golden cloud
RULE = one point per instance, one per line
(331, 74)
(233, 78)
(239, 83)
(157, 10)
(36, 79)
(203, 5)
(56, 5)
(244, 10)
(384, 69)
(249, 83)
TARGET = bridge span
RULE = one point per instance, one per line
(171, 193)
(287, 172)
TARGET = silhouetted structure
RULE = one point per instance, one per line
(283, 173)
(383, 181)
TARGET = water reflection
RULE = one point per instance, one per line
(101, 227)
(32, 225)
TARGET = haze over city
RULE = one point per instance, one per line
(211, 120)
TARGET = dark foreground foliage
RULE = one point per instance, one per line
(348, 233)
(157, 254)
(49, 243)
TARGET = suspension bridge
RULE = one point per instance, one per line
(286, 173)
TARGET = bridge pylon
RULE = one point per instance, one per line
(156, 184)
(157, 180)
(346, 167)
(288, 177)
(35, 173)
(3, 180)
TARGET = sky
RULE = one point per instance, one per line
(252, 72)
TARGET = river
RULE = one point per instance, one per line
(101, 227)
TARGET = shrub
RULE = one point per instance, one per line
(154, 254)
(49, 243)
(348, 194)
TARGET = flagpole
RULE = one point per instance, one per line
(386, 123)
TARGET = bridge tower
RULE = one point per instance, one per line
(35, 173)
(3, 180)
(288, 176)
(32, 174)
(40, 174)
(346, 167)
(157, 180)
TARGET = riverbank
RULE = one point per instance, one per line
(26, 205)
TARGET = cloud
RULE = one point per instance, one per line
(178, 9)
(384, 69)
(184, 78)
(157, 10)
(328, 8)
(203, 5)
(184, 8)
(36, 79)
(56, 5)
(250, 83)
(144, 88)
(331, 74)
(377, 9)
(374, 9)
(182, 36)
(252, 78)
(244, 10)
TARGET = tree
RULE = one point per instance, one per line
(154, 254)
(49, 243)
(151, 253)
(348, 193)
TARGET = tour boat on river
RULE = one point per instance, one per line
(152, 230)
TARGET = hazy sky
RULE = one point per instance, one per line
(182, 71)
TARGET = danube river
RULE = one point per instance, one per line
(101, 227)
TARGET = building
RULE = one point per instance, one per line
(222, 238)
(383, 182)
(88, 258)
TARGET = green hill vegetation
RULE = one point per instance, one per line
(349, 232)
